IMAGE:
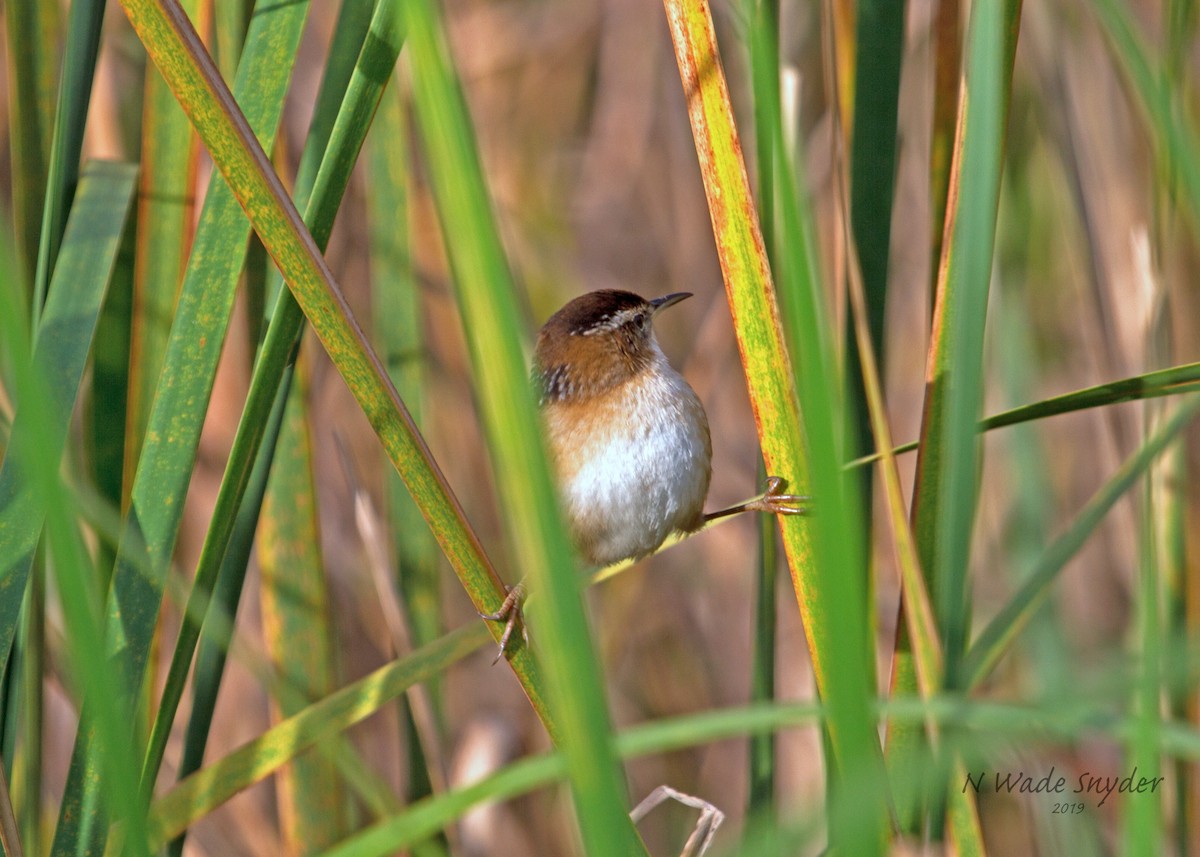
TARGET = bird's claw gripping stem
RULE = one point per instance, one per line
(771, 501)
(512, 614)
(774, 501)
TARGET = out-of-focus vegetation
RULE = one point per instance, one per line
(270, 274)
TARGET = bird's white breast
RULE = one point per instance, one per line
(633, 465)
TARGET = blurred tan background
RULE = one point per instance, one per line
(581, 123)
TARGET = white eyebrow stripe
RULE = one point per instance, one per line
(613, 321)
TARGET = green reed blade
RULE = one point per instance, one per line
(879, 37)
(672, 734)
(32, 64)
(487, 299)
(399, 322)
(396, 303)
(186, 66)
(992, 642)
(1168, 121)
(231, 23)
(947, 73)
(521, 777)
(74, 94)
(945, 495)
(1142, 818)
(172, 436)
(764, 64)
(104, 438)
(295, 607)
(1173, 381)
(345, 57)
(30, 491)
(207, 789)
(921, 661)
(944, 503)
(227, 543)
(212, 650)
(63, 342)
(166, 205)
(824, 551)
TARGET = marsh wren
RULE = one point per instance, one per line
(627, 435)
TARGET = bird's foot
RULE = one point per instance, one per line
(512, 614)
(773, 501)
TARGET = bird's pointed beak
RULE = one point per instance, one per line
(667, 300)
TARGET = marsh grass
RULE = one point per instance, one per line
(516, 155)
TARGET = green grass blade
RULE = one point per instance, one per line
(487, 299)
(947, 40)
(944, 504)
(295, 606)
(991, 643)
(226, 547)
(211, 655)
(166, 204)
(63, 342)
(946, 491)
(398, 323)
(345, 54)
(29, 669)
(372, 69)
(1179, 28)
(104, 440)
(231, 22)
(165, 468)
(178, 53)
(764, 63)
(761, 798)
(30, 490)
(207, 789)
(104, 443)
(879, 36)
(981, 720)
(824, 552)
(222, 565)
(74, 93)
(1014, 352)
(1172, 381)
(917, 661)
(1142, 815)
(396, 308)
(432, 814)
(1179, 591)
(271, 380)
(32, 31)
(198, 332)
(1169, 122)
(10, 834)
(921, 661)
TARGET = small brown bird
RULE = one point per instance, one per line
(628, 437)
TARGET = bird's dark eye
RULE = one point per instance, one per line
(640, 320)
